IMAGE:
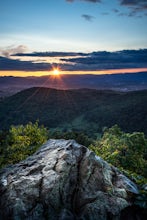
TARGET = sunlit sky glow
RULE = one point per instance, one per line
(45, 73)
(69, 31)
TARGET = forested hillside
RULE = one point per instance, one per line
(80, 110)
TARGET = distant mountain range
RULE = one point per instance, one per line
(119, 82)
(81, 110)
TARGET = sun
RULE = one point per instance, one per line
(56, 72)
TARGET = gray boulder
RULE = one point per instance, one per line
(64, 180)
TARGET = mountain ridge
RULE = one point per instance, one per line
(80, 109)
(120, 82)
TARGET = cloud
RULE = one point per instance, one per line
(93, 1)
(141, 3)
(138, 5)
(10, 64)
(7, 52)
(88, 17)
(49, 54)
(111, 60)
(135, 5)
(100, 60)
(136, 8)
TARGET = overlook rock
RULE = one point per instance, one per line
(66, 181)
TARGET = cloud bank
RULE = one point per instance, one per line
(17, 65)
(112, 60)
(99, 60)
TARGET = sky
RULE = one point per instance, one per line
(72, 35)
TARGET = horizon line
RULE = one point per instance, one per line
(50, 73)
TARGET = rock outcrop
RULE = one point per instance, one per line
(64, 180)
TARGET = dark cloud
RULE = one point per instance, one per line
(10, 64)
(7, 52)
(136, 8)
(93, 1)
(112, 60)
(102, 60)
(48, 54)
(88, 17)
(142, 3)
(135, 5)
(138, 5)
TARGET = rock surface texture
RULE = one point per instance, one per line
(66, 181)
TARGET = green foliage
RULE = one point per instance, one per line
(124, 150)
(80, 137)
(22, 141)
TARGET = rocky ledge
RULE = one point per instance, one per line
(64, 180)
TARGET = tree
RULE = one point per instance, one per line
(22, 141)
(80, 137)
(124, 150)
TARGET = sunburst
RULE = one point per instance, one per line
(56, 72)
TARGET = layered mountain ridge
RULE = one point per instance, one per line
(83, 109)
